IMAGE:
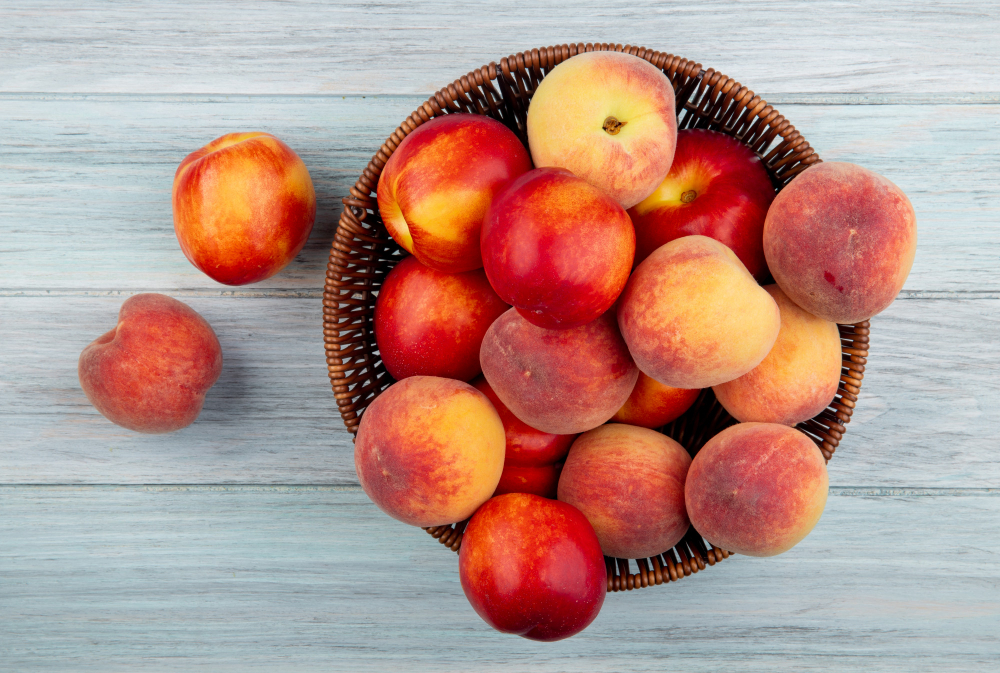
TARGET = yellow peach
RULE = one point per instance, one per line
(430, 450)
(797, 379)
(609, 118)
(693, 316)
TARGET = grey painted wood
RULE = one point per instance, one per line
(929, 413)
(85, 180)
(900, 574)
(270, 418)
(283, 579)
(393, 46)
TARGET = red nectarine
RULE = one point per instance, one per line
(244, 205)
(532, 567)
(431, 323)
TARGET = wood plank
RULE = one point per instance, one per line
(85, 180)
(929, 413)
(298, 46)
(270, 418)
(304, 579)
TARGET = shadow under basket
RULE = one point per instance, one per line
(363, 254)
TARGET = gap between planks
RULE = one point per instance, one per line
(848, 491)
(776, 99)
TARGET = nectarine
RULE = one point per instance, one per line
(244, 205)
(431, 323)
(437, 185)
(556, 248)
(532, 567)
(716, 187)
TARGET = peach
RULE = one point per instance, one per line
(756, 488)
(541, 481)
(840, 241)
(609, 118)
(244, 206)
(429, 450)
(437, 185)
(532, 567)
(526, 447)
(629, 483)
(799, 377)
(431, 323)
(151, 372)
(652, 404)
(693, 316)
(556, 248)
(558, 381)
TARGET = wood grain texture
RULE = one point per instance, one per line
(394, 46)
(307, 580)
(85, 180)
(929, 413)
(901, 573)
(271, 417)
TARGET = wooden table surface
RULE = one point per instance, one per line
(243, 542)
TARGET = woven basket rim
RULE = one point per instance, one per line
(502, 89)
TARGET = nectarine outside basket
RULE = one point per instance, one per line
(363, 253)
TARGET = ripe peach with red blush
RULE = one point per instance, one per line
(429, 450)
(437, 185)
(629, 483)
(151, 372)
(559, 381)
(693, 316)
(756, 488)
(799, 377)
(244, 206)
(840, 241)
(431, 323)
(557, 248)
(532, 567)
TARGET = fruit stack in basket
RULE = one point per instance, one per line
(560, 302)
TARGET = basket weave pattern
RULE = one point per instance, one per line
(363, 253)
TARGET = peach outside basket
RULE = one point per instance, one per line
(363, 253)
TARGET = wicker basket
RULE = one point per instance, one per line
(363, 253)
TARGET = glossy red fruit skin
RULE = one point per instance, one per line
(526, 446)
(532, 567)
(733, 191)
(435, 188)
(542, 480)
(244, 206)
(556, 248)
(431, 323)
